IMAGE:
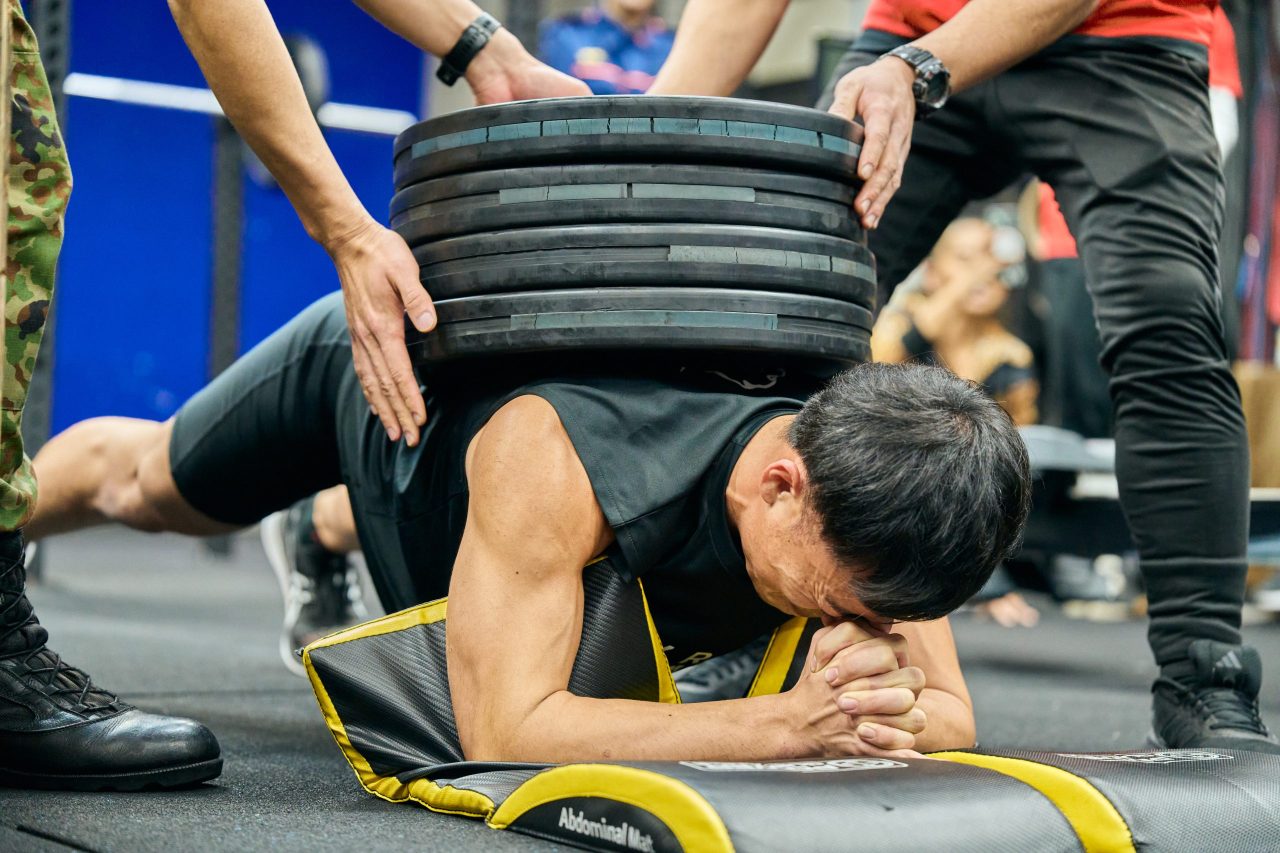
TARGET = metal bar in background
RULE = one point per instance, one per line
(523, 19)
(228, 236)
(228, 233)
(332, 115)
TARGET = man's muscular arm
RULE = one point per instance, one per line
(515, 619)
(248, 68)
(717, 46)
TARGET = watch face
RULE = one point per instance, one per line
(933, 84)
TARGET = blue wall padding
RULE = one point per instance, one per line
(132, 315)
(133, 300)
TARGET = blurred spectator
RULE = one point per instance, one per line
(615, 47)
(949, 312)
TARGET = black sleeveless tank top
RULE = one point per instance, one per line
(658, 449)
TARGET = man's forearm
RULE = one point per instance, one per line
(502, 66)
(987, 36)
(720, 40)
(248, 68)
(717, 43)
(950, 722)
(433, 25)
(565, 727)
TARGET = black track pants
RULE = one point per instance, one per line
(1123, 136)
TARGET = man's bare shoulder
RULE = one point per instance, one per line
(522, 425)
(525, 474)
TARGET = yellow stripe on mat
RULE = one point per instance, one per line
(445, 799)
(695, 824)
(435, 797)
(1095, 820)
(667, 690)
(778, 657)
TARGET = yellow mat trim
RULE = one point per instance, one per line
(691, 819)
(450, 800)
(445, 799)
(667, 691)
(778, 656)
(419, 614)
(423, 791)
(1095, 820)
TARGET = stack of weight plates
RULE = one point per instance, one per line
(637, 224)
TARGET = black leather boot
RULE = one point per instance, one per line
(59, 730)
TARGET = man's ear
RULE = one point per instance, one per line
(783, 477)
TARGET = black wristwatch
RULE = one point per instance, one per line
(473, 38)
(932, 85)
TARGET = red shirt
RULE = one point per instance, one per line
(1188, 20)
(1055, 237)
(1224, 64)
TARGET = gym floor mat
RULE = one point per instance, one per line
(180, 631)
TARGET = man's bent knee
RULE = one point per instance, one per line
(1168, 315)
(115, 470)
(154, 499)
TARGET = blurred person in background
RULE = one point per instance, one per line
(952, 317)
(57, 728)
(949, 312)
(1108, 102)
(615, 47)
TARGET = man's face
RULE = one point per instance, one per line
(791, 566)
(964, 252)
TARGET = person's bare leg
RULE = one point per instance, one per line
(112, 470)
(334, 521)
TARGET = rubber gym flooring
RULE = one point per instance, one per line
(179, 630)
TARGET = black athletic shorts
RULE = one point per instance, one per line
(275, 426)
(289, 419)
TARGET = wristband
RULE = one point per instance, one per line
(473, 38)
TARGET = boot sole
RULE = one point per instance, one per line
(185, 776)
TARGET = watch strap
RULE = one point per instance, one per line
(473, 38)
(928, 71)
(912, 55)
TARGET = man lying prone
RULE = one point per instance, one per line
(887, 497)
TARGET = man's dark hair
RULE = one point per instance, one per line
(920, 481)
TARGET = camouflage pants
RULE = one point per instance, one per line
(39, 186)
